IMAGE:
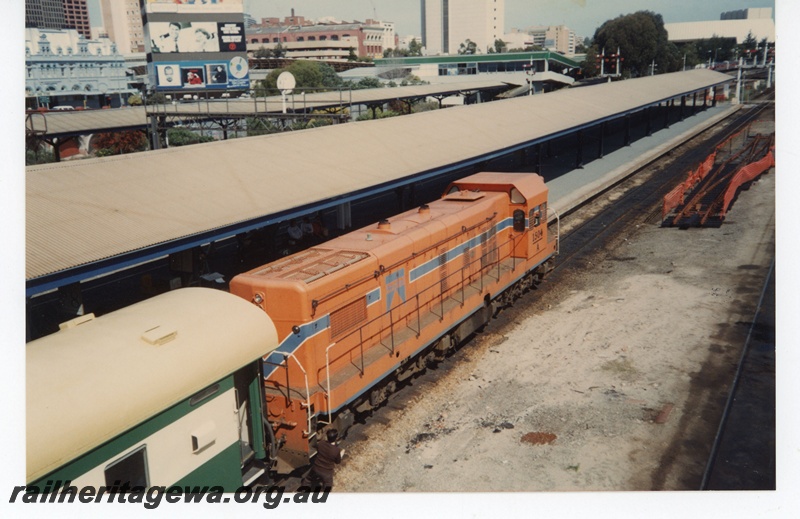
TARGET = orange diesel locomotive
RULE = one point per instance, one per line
(366, 310)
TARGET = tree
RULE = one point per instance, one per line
(469, 47)
(499, 47)
(414, 48)
(184, 137)
(135, 100)
(156, 99)
(352, 55)
(118, 143)
(308, 76)
(262, 52)
(641, 38)
(589, 64)
(330, 79)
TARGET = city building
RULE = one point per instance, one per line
(404, 42)
(44, 14)
(58, 14)
(122, 20)
(757, 22)
(62, 68)
(559, 38)
(447, 24)
(76, 16)
(321, 41)
(389, 40)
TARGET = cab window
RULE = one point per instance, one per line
(519, 220)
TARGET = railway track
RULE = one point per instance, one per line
(586, 231)
(637, 198)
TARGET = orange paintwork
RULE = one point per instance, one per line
(352, 310)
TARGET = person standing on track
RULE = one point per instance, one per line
(328, 455)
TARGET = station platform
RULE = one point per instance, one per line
(572, 189)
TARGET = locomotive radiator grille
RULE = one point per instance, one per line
(348, 317)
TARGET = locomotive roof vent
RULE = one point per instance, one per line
(424, 209)
(384, 225)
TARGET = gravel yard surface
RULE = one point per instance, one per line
(611, 376)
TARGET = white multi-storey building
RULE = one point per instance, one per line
(64, 68)
(123, 23)
(446, 24)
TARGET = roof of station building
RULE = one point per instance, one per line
(94, 215)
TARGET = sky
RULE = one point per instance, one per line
(582, 16)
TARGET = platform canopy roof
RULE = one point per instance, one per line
(85, 218)
(79, 122)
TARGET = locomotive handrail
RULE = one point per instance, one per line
(286, 355)
(558, 229)
(483, 271)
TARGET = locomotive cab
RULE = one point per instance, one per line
(527, 207)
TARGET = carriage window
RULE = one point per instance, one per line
(519, 220)
(130, 469)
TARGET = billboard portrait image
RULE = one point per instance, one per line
(193, 77)
(182, 37)
(217, 74)
(169, 75)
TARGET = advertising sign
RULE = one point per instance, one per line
(198, 75)
(183, 37)
(194, 6)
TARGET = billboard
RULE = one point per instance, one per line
(202, 75)
(182, 37)
(195, 44)
(194, 6)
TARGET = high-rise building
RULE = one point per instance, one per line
(58, 14)
(447, 24)
(44, 14)
(76, 16)
(123, 22)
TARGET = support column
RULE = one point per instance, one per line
(627, 129)
(400, 192)
(713, 97)
(601, 151)
(538, 160)
(683, 106)
(694, 103)
(155, 141)
(579, 151)
(344, 218)
(666, 114)
(649, 121)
